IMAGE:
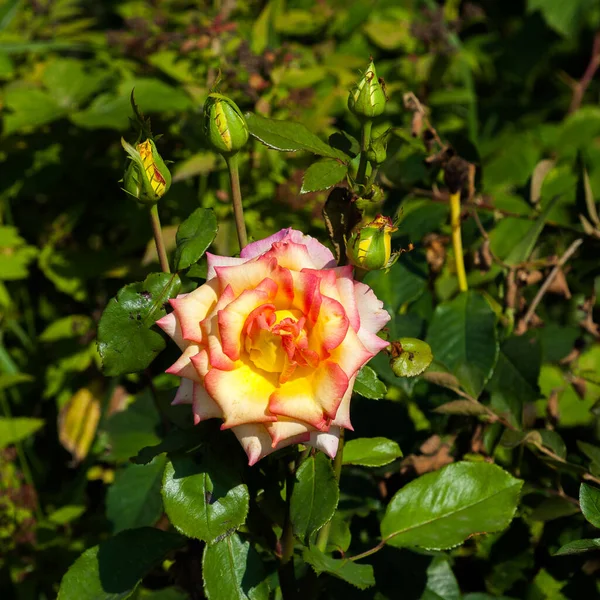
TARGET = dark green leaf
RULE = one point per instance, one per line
(126, 341)
(323, 174)
(367, 384)
(578, 546)
(232, 570)
(194, 236)
(553, 508)
(371, 452)
(360, 576)
(441, 583)
(566, 18)
(515, 378)
(204, 498)
(462, 336)
(13, 430)
(589, 499)
(315, 495)
(112, 570)
(131, 429)
(134, 500)
(176, 440)
(524, 247)
(440, 510)
(591, 451)
(289, 136)
(403, 283)
(552, 440)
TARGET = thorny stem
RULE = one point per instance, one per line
(323, 536)
(236, 195)
(158, 239)
(361, 176)
(457, 241)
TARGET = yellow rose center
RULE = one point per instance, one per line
(267, 346)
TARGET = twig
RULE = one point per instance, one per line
(582, 85)
(522, 327)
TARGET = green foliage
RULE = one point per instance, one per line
(114, 568)
(205, 499)
(233, 569)
(440, 510)
(371, 452)
(126, 341)
(101, 475)
(314, 497)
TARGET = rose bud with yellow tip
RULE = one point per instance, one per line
(370, 246)
(367, 98)
(224, 125)
(146, 178)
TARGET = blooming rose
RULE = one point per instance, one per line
(272, 343)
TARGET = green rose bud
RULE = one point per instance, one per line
(146, 178)
(370, 244)
(410, 357)
(367, 98)
(224, 125)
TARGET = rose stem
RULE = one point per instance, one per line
(323, 536)
(236, 194)
(158, 239)
(457, 241)
(364, 146)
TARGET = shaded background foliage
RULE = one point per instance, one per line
(509, 84)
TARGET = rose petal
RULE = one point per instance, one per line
(284, 429)
(214, 260)
(330, 329)
(320, 255)
(170, 325)
(242, 394)
(203, 406)
(342, 417)
(290, 256)
(372, 314)
(257, 443)
(183, 367)
(329, 383)
(351, 354)
(191, 309)
(326, 442)
(296, 400)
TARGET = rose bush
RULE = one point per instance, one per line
(273, 341)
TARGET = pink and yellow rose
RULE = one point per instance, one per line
(273, 341)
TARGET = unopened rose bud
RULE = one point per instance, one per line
(146, 178)
(367, 98)
(370, 246)
(410, 357)
(224, 125)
